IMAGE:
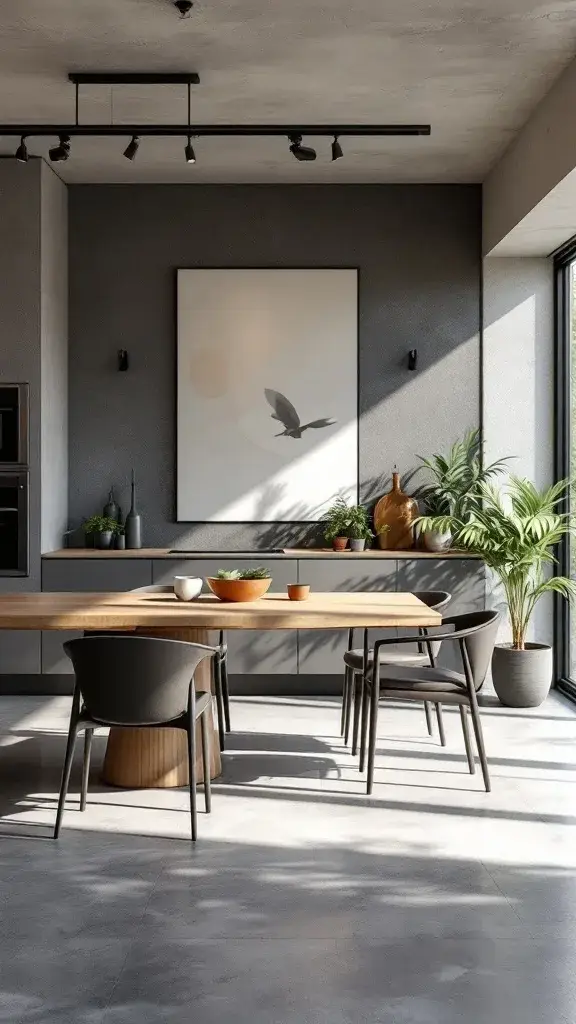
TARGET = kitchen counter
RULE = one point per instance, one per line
(299, 553)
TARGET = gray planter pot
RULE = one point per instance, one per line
(434, 541)
(357, 545)
(522, 679)
(104, 539)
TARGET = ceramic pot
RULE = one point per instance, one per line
(120, 542)
(357, 543)
(238, 590)
(340, 543)
(522, 679)
(187, 588)
(298, 591)
(435, 541)
(103, 540)
(397, 511)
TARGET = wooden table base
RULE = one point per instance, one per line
(158, 758)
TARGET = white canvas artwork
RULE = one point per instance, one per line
(267, 393)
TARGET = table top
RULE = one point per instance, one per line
(54, 611)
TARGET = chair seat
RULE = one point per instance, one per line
(420, 680)
(355, 659)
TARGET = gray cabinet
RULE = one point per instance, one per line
(249, 652)
(321, 651)
(84, 575)
(463, 578)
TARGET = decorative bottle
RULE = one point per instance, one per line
(133, 525)
(394, 517)
(112, 508)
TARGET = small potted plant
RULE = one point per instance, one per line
(515, 533)
(359, 530)
(103, 529)
(237, 585)
(120, 537)
(337, 520)
(381, 534)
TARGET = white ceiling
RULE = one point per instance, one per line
(474, 70)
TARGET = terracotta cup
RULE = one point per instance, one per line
(298, 591)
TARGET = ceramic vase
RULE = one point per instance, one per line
(397, 511)
(133, 524)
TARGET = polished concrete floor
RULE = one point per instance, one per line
(303, 902)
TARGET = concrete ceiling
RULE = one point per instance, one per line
(474, 70)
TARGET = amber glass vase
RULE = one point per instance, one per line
(396, 511)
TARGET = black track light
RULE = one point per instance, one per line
(22, 153)
(189, 152)
(132, 148)
(336, 149)
(61, 151)
(184, 6)
(299, 151)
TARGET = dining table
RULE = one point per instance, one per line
(157, 758)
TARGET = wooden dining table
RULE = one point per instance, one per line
(157, 758)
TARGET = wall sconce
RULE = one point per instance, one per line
(412, 358)
(122, 359)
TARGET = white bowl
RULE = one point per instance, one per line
(187, 588)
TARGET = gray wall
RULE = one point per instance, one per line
(418, 251)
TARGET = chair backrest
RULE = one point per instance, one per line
(480, 629)
(134, 680)
(437, 600)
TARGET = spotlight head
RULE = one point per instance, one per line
(22, 153)
(132, 148)
(299, 151)
(336, 149)
(189, 152)
(184, 7)
(60, 152)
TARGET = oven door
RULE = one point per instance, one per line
(14, 524)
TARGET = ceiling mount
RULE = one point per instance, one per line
(184, 7)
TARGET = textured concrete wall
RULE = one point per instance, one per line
(418, 252)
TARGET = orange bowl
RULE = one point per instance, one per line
(238, 590)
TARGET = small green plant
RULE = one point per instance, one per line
(359, 524)
(245, 574)
(102, 524)
(344, 520)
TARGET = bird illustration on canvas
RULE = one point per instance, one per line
(286, 414)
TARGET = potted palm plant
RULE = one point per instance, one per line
(515, 532)
(452, 491)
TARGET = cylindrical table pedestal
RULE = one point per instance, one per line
(158, 758)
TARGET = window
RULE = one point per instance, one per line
(565, 618)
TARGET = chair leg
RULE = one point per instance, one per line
(477, 725)
(65, 775)
(428, 713)
(358, 695)
(225, 692)
(191, 733)
(217, 670)
(204, 725)
(366, 700)
(440, 720)
(344, 701)
(348, 712)
(374, 701)
(88, 735)
(469, 753)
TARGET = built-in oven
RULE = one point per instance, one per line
(13, 424)
(14, 523)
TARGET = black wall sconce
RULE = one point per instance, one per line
(122, 359)
(412, 358)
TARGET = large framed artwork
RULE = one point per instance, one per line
(267, 415)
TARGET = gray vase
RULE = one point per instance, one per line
(357, 544)
(522, 679)
(434, 541)
(104, 540)
(133, 524)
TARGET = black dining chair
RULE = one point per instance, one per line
(137, 682)
(220, 668)
(419, 655)
(475, 634)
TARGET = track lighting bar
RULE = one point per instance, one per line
(206, 130)
(134, 77)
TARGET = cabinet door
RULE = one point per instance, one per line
(85, 576)
(321, 651)
(463, 578)
(250, 652)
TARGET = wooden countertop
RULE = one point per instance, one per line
(127, 611)
(300, 553)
